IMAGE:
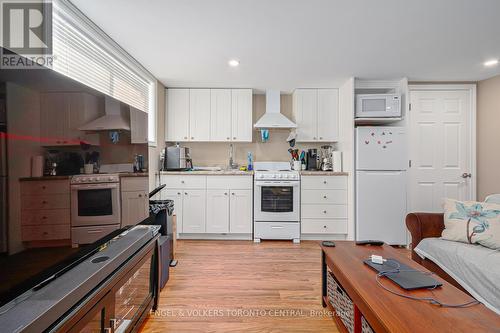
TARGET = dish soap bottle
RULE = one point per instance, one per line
(249, 161)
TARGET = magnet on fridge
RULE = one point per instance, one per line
(367, 142)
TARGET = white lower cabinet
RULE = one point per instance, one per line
(219, 205)
(135, 200)
(241, 211)
(193, 211)
(217, 211)
(323, 206)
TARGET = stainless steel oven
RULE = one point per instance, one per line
(277, 200)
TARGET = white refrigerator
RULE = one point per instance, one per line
(381, 162)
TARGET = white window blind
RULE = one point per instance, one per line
(83, 52)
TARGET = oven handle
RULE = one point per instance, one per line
(94, 186)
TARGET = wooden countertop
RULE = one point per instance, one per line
(387, 312)
(45, 178)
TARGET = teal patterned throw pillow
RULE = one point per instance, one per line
(472, 222)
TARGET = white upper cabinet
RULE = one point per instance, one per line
(241, 115)
(328, 115)
(220, 115)
(63, 113)
(138, 126)
(216, 115)
(305, 112)
(199, 114)
(316, 112)
(177, 115)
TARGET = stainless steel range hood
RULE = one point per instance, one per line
(272, 118)
(114, 118)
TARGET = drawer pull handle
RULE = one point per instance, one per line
(140, 195)
(324, 197)
(44, 217)
(225, 193)
(228, 138)
(182, 182)
(232, 193)
(178, 193)
(185, 193)
(43, 187)
(324, 212)
(45, 233)
(277, 227)
(44, 202)
(324, 181)
(324, 226)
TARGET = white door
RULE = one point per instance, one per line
(199, 114)
(441, 146)
(328, 115)
(177, 119)
(194, 211)
(241, 115)
(176, 196)
(220, 115)
(381, 206)
(306, 114)
(241, 208)
(217, 211)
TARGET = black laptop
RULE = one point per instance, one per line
(407, 278)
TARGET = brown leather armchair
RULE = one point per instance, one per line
(425, 225)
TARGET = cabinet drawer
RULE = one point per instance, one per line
(45, 232)
(188, 181)
(45, 216)
(229, 182)
(338, 197)
(325, 226)
(54, 201)
(87, 235)
(44, 187)
(324, 182)
(324, 211)
(276, 230)
(130, 184)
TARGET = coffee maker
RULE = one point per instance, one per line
(326, 158)
(312, 159)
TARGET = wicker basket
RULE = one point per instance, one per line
(365, 327)
(344, 308)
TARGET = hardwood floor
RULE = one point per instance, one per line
(239, 286)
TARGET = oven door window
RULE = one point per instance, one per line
(95, 202)
(277, 199)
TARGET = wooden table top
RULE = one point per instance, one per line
(387, 312)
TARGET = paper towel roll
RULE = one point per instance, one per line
(337, 161)
(37, 166)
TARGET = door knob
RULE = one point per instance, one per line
(466, 175)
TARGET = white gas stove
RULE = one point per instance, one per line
(276, 202)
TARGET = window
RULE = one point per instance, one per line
(83, 52)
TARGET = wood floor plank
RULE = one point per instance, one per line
(240, 286)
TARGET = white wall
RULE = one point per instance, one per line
(346, 145)
(23, 126)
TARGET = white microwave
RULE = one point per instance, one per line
(378, 105)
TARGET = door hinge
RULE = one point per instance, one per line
(409, 107)
(409, 163)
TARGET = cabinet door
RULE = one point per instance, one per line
(241, 114)
(305, 105)
(199, 114)
(75, 116)
(53, 107)
(176, 196)
(177, 115)
(135, 207)
(194, 210)
(241, 219)
(217, 211)
(138, 126)
(220, 115)
(328, 115)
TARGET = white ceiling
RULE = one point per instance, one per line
(286, 44)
